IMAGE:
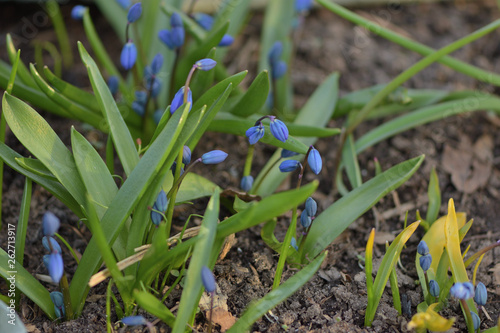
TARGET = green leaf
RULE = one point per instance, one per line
(254, 98)
(35, 166)
(153, 305)
(350, 159)
(346, 210)
(434, 194)
(195, 186)
(275, 297)
(22, 70)
(39, 138)
(216, 91)
(385, 269)
(122, 138)
(201, 255)
(27, 284)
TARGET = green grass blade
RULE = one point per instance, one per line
(201, 257)
(350, 159)
(124, 144)
(335, 219)
(275, 297)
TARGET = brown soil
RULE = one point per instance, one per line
(335, 298)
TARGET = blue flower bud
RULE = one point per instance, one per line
(165, 36)
(176, 20)
(206, 64)
(289, 165)
(425, 262)
(255, 133)
(314, 161)
(179, 100)
(279, 129)
(246, 183)
(311, 206)
(46, 260)
(226, 40)
(157, 63)
(55, 245)
(208, 279)
(305, 220)
(128, 55)
(56, 266)
(293, 243)
(476, 321)
(58, 300)
(434, 288)
(275, 52)
(156, 217)
(77, 12)
(303, 5)
(161, 201)
(113, 84)
(141, 96)
(124, 3)
(50, 224)
(156, 88)
(481, 294)
(177, 36)
(173, 167)
(287, 153)
(138, 108)
(134, 12)
(134, 320)
(422, 248)
(204, 20)
(278, 70)
(462, 290)
(186, 155)
(213, 157)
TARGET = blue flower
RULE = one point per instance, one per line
(134, 320)
(205, 64)
(139, 104)
(476, 321)
(246, 183)
(275, 52)
(278, 69)
(50, 224)
(186, 155)
(255, 133)
(434, 288)
(213, 157)
(124, 3)
(128, 55)
(164, 36)
(156, 63)
(58, 300)
(56, 266)
(289, 165)
(303, 5)
(481, 294)
(314, 161)
(113, 84)
(305, 220)
(208, 279)
(279, 129)
(204, 20)
(156, 88)
(311, 206)
(173, 167)
(226, 40)
(179, 100)
(176, 20)
(77, 12)
(422, 248)
(287, 153)
(425, 262)
(293, 243)
(160, 205)
(462, 290)
(138, 108)
(134, 12)
(55, 245)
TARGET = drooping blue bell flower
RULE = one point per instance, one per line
(311, 206)
(134, 12)
(205, 64)
(160, 205)
(57, 299)
(463, 290)
(285, 153)
(246, 183)
(208, 279)
(425, 262)
(279, 129)
(434, 288)
(305, 220)
(179, 100)
(204, 20)
(77, 12)
(56, 266)
(278, 69)
(481, 294)
(128, 56)
(275, 52)
(124, 3)
(50, 224)
(289, 165)
(476, 321)
(157, 63)
(314, 160)
(422, 248)
(213, 157)
(255, 133)
(164, 36)
(186, 155)
(226, 40)
(55, 245)
(134, 321)
(113, 84)
(177, 34)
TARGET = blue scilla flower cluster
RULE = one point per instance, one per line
(173, 38)
(207, 22)
(152, 83)
(309, 213)
(53, 261)
(128, 56)
(425, 257)
(278, 130)
(278, 67)
(314, 161)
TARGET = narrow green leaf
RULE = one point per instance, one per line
(152, 305)
(195, 186)
(22, 70)
(254, 98)
(122, 138)
(201, 257)
(350, 159)
(275, 297)
(325, 229)
(434, 194)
